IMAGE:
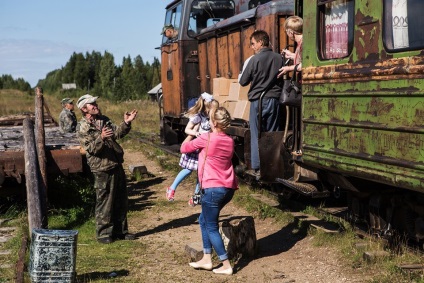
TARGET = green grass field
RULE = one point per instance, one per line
(16, 102)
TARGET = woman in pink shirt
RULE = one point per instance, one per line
(218, 183)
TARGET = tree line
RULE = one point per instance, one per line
(8, 82)
(98, 75)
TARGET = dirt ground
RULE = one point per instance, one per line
(282, 255)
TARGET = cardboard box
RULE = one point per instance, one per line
(221, 86)
(242, 110)
(230, 106)
(238, 92)
(220, 99)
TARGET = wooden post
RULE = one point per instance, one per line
(35, 215)
(20, 265)
(40, 137)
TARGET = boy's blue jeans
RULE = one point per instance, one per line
(270, 123)
(213, 200)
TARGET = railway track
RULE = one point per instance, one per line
(172, 150)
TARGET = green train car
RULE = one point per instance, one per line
(360, 127)
(363, 107)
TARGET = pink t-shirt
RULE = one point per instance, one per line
(219, 171)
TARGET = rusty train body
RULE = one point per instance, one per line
(360, 127)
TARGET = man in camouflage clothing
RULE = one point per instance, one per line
(67, 118)
(98, 135)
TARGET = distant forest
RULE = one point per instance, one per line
(98, 75)
(8, 82)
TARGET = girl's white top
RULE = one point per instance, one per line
(203, 119)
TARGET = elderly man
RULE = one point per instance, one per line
(98, 135)
(170, 32)
(67, 118)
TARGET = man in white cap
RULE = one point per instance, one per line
(98, 135)
(67, 118)
(170, 32)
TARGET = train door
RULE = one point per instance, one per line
(179, 70)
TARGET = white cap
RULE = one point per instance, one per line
(86, 98)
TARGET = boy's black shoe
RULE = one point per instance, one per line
(127, 236)
(254, 173)
(105, 240)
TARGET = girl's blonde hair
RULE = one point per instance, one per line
(221, 117)
(201, 106)
(295, 24)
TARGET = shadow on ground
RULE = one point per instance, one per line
(175, 223)
(88, 277)
(140, 196)
(276, 243)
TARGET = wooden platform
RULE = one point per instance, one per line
(12, 139)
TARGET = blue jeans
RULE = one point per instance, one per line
(213, 200)
(270, 122)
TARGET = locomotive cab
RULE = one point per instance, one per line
(180, 62)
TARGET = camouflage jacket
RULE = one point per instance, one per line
(67, 121)
(102, 155)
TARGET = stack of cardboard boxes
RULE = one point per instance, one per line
(230, 94)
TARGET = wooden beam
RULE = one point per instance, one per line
(41, 150)
(35, 215)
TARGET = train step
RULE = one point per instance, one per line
(306, 189)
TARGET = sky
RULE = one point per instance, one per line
(39, 36)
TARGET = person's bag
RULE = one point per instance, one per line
(291, 95)
(197, 198)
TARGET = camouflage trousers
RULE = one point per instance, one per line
(111, 203)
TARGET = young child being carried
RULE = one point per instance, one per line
(198, 124)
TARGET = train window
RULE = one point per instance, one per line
(402, 22)
(207, 13)
(173, 17)
(335, 27)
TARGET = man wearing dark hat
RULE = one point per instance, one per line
(98, 135)
(67, 118)
(170, 32)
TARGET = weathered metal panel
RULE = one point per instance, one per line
(391, 113)
(270, 25)
(62, 152)
(222, 48)
(12, 162)
(282, 36)
(247, 51)
(179, 76)
(170, 77)
(66, 161)
(203, 68)
(190, 73)
(234, 54)
(212, 58)
(362, 115)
